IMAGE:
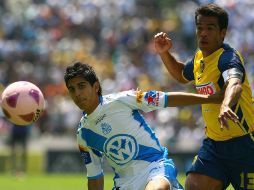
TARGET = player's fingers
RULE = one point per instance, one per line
(158, 35)
(223, 122)
(159, 40)
(168, 40)
(226, 124)
(155, 37)
(232, 116)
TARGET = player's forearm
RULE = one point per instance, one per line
(173, 66)
(185, 99)
(96, 184)
(232, 93)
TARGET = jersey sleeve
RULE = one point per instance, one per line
(145, 101)
(230, 59)
(91, 158)
(188, 74)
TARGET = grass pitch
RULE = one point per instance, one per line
(55, 182)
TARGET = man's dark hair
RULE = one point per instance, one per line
(214, 11)
(83, 70)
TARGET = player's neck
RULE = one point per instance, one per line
(207, 53)
(93, 106)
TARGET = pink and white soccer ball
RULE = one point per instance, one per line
(22, 102)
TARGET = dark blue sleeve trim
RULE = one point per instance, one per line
(188, 70)
(97, 153)
(86, 157)
(166, 101)
(96, 177)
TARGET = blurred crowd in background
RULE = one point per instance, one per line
(39, 38)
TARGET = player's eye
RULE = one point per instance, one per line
(82, 86)
(199, 28)
(71, 89)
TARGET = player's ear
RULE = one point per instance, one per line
(223, 33)
(96, 86)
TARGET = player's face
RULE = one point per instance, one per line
(209, 35)
(83, 93)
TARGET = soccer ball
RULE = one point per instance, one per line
(22, 102)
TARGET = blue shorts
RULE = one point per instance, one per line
(230, 161)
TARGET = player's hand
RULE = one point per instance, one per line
(226, 113)
(162, 43)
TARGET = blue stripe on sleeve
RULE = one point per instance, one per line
(97, 153)
(96, 177)
(188, 70)
(166, 101)
(221, 81)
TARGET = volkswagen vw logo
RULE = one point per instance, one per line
(121, 148)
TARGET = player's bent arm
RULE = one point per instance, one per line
(233, 92)
(185, 99)
(96, 184)
(174, 67)
(163, 44)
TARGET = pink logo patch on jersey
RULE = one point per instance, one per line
(206, 89)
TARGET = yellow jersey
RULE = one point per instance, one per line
(208, 76)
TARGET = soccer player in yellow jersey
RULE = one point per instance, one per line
(227, 154)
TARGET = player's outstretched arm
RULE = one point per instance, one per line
(96, 184)
(185, 99)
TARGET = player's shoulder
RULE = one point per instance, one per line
(227, 47)
(79, 127)
(229, 56)
(81, 124)
(79, 132)
(109, 98)
(228, 51)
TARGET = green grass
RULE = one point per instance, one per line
(54, 182)
(43, 182)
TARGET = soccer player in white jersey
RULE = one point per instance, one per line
(112, 127)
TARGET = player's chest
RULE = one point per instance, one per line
(207, 77)
(112, 137)
(109, 123)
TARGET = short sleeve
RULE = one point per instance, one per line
(92, 159)
(188, 71)
(145, 101)
(230, 59)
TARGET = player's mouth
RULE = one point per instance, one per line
(81, 101)
(203, 42)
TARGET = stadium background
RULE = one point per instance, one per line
(38, 38)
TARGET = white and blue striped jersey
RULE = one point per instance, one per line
(117, 131)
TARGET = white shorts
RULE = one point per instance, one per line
(164, 168)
